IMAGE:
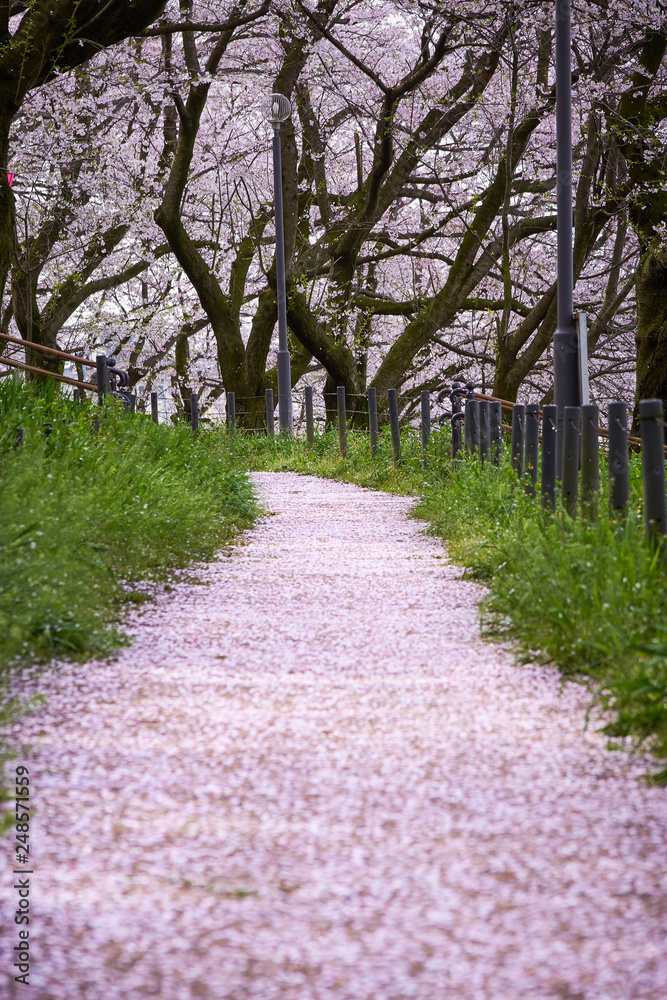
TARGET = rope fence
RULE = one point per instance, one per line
(570, 440)
(570, 443)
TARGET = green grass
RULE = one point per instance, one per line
(588, 595)
(86, 515)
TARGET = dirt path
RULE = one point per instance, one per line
(311, 780)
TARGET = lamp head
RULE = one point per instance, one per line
(276, 108)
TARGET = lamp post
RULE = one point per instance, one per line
(566, 339)
(277, 109)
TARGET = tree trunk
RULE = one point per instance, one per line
(651, 336)
(7, 207)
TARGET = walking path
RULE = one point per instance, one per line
(311, 780)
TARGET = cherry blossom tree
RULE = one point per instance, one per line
(419, 194)
(38, 40)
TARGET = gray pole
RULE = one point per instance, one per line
(566, 340)
(484, 429)
(284, 368)
(373, 418)
(496, 431)
(590, 462)
(394, 425)
(619, 484)
(570, 466)
(532, 446)
(471, 427)
(102, 377)
(270, 418)
(342, 421)
(310, 420)
(548, 484)
(194, 412)
(425, 423)
(231, 411)
(518, 428)
(154, 412)
(653, 469)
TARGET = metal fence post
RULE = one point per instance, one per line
(342, 421)
(619, 484)
(270, 414)
(532, 446)
(570, 467)
(471, 427)
(102, 377)
(394, 425)
(590, 462)
(373, 418)
(425, 422)
(496, 428)
(518, 429)
(310, 420)
(194, 412)
(456, 421)
(484, 429)
(652, 432)
(231, 411)
(549, 436)
(154, 411)
(133, 402)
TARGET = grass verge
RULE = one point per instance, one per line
(586, 594)
(87, 514)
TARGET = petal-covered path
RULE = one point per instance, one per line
(311, 780)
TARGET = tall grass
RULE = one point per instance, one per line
(586, 594)
(89, 511)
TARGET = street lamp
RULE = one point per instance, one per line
(277, 109)
(566, 339)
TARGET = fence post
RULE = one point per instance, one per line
(194, 412)
(154, 412)
(548, 483)
(270, 414)
(310, 421)
(653, 468)
(342, 421)
(532, 446)
(471, 427)
(231, 411)
(484, 429)
(590, 462)
(496, 429)
(425, 422)
(393, 423)
(373, 418)
(456, 420)
(518, 429)
(619, 490)
(133, 402)
(102, 377)
(570, 466)
(76, 396)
